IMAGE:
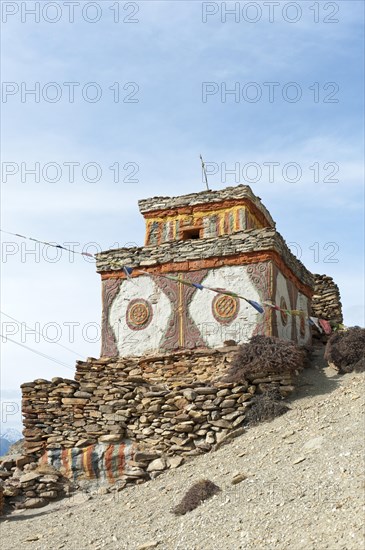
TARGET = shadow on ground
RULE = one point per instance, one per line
(318, 379)
(10, 515)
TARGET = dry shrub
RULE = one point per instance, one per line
(266, 406)
(307, 351)
(200, 491)
(265, 355)
(346, 350)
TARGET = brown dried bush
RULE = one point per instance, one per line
(200, 491)
(307, 351)
(346, 350)
(265, 355)
(265, 406)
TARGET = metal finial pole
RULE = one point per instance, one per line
(205, 173)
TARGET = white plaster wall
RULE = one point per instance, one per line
(302, 304)
(284, 331)
(138, 342)
(236, 279)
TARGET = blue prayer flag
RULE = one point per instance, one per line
(256, 306)
(127, 270)
(198, 285)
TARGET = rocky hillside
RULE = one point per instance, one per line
(302, 488)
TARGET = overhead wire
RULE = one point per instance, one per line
(40, 334)
(38, 352)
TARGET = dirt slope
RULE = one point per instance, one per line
(304, 488)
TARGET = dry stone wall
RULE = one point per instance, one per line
(173, 404)
(122, 421)
(326, 300)
(205, 197)
(26, 484)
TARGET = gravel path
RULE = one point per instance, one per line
(304, 489)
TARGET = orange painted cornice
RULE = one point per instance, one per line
(245, 258)
(212, 207)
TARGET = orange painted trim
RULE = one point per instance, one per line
(220, 205)
(108, 463)
(209, 263)
(121, 464)
(88, 467)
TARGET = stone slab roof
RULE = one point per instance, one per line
(205, 197)
(255, 240)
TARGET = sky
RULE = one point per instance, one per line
(104, 103)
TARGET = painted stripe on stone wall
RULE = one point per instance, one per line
(108, 463)
(100, 461)
(244, 258)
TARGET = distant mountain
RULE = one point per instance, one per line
(8, 438)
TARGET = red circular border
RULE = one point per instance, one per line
(133, 303)
(225, 320)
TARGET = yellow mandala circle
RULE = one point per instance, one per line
(225, 308)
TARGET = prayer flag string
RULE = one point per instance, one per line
(54, 245)
(321, 324)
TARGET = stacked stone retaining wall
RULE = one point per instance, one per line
(172, 403)
(326, 300)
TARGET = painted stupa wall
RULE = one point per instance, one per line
(287, 296)
(149, 313)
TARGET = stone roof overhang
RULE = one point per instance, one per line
(240, 248)
(206, 200)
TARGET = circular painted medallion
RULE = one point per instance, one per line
(283, 314)
(225, 308)
(139, 314)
